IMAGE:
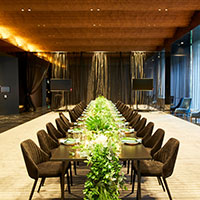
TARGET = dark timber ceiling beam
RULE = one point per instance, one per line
(195, 21)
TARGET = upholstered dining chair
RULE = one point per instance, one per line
(132, 114)
(127, 112)
(173, 108)
(154, 143)
(62, 127)
(161, 166)
(53, 132)
(140, 125)
(146, 132)
(47, 144)
(72, 115)
(38, 165)
(135, 120)
(64, 118)
(184, 108)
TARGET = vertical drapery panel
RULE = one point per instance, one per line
(119, 77)
(98, 76)
(59, 71)
(99, 73)
(79, 72)
(195, 86)
(180, 71)
(137, 71)
(36, 70)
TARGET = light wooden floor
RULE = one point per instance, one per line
(184, 183)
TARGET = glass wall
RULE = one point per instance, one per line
(185, 68)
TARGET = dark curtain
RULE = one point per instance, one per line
(119, 77)
(35, 73)
(180, 70)
(79, 66)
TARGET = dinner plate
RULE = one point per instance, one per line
(130, 141)
(68, 142)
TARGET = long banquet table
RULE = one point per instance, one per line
(128, 152)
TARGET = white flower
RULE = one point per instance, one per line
(101, 139)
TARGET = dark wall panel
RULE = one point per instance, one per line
(9, 77)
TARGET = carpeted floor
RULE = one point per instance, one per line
(10, 121)
(15, 183)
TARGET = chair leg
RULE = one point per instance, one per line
(33, 189)
(68, 182)
(70, 168)
(167, 188)
(41, 184)
(161, 183)
(124, 163)
(128, 166)
(75, 168)
(131, 171)
(133, 181)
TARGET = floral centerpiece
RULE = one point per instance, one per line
(101, 146)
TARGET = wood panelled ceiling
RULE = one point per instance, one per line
(96, 25)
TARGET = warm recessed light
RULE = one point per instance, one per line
(44, 25)
(29, 10)
(98, 9)
(166, 9)
(22, 9)
(94, 24)
(91, 9)
(38, 25)
(159, 9)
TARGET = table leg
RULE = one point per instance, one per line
(139, 181)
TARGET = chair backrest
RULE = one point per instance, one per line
(155, 141)
(141, 124)
(135, 120)
(53, 132)
(61, 126)
(46, 142)
(33, 156)
(72, 115)
(173, 108)
(65, 120)
(146, 132)
(186, 103)
(167, 155)
(131, 115)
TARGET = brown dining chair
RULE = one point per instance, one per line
(62, 127)
(132, 114)
(135, 120)
(161, 166)
(64, 118)
(154, 143)
(146, 132)
(47, 144)
(38, 165)
(140, 125)
(53, 132)
(72, 115)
